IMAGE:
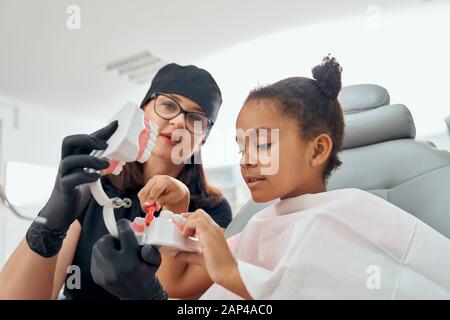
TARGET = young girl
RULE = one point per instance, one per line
(313, 243)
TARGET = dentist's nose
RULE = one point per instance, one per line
(179, 121)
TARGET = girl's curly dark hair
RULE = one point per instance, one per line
(312, 103)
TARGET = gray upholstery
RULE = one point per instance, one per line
(363, 128)
(381, 156)
(363, 97)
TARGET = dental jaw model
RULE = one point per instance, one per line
(164, 233)
(133, 140)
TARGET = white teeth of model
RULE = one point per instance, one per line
(166, 214)
(119, 168)
(178, 219)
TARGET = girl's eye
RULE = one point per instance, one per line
(264, 146)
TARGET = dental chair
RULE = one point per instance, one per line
(380, 155)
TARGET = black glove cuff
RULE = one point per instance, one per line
(162, 296)
(44, 241)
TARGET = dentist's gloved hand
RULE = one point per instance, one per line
(63, 206)
(125, 269)
(68, 199)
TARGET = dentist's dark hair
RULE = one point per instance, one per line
(312, 103)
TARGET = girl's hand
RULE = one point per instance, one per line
(216, 257)
(167, 192)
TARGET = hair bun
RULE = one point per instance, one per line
(328, 76)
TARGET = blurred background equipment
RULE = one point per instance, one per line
(4, 201)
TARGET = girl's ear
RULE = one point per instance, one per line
(322, 149)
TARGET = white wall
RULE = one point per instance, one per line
(39, 131)
(441, 140)
(31, 134)
(406, 51)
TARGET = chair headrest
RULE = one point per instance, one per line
(362, 97)
(370, 119)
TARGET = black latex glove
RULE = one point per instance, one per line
(125, 269)
(65, 202)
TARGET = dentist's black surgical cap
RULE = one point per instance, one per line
(191, 82)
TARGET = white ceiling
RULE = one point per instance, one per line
(44, 63)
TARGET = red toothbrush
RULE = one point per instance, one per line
(151, 209)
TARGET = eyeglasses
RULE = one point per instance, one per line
(168, 108)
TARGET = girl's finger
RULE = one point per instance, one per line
(196, 226)
(143, 193)
(186, 214)
(189, 257)
(189, 228)
(178, 225)
(155, 192)
(202, 213)
(146, 205)
(167, 198)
